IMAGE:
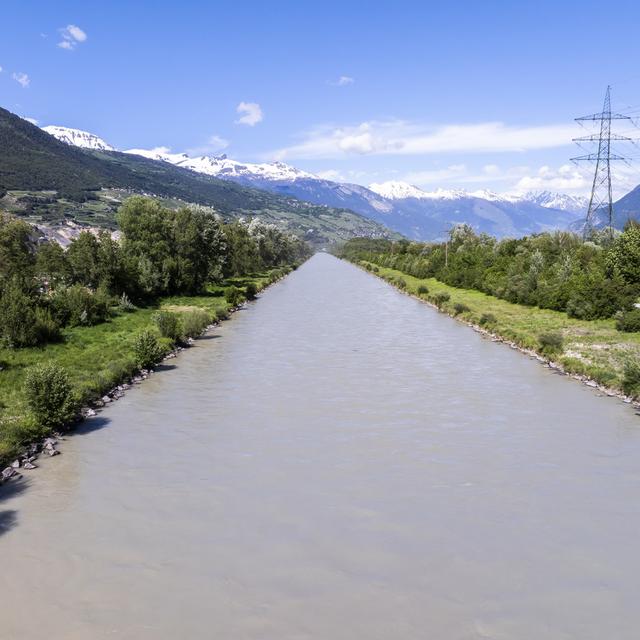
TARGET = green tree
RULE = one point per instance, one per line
(49, 394)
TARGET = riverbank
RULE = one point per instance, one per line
(593, 351)
(100, 361)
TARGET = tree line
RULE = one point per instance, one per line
(592, 279)
(161, 251)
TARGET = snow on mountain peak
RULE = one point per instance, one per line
(224, 167)
(562, 201)
(397, 190)
(78, 138)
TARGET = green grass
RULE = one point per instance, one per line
(594, 348)
(96, 358)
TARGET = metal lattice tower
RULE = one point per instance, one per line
(601, 194)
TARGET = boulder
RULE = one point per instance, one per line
(9, 472)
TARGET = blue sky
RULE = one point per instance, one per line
(459, 94)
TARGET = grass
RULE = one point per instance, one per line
(594, 348)
(96, 358)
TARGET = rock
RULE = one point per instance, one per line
(106, 399)
(9, 472)
(29, 465)
(49, 442)
(591, 383)
(15, 464)
(52, 452)
(88, 412)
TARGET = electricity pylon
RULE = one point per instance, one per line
(601, 194)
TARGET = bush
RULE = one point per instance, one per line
(459, 308)
(147, 349)
(250, 291)
(401, 283)
(628, 321)
(233, 296)
(631, 378)
(124, 304)
(17, 318)
(194, 322)
(49, 394)
(487, 319)
(440, 298)
(551, 343)
(423, 290)
(46, 327)
(76, 305)
(168, 324)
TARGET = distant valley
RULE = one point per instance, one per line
(413, 212)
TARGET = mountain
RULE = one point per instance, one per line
(52, 181)
(627, 208)
(78, 138)
(418, 214)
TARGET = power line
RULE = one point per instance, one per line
(601, 199)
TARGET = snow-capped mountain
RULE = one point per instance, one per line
(78, 138)
(223, 167)
(561, 201)
(418, 214)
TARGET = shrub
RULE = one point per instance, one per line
(459, 308)
(147, 349)
(423, 290)
(17, 318)
(194, 322)
(250, 291)
(628, 321)
(631, 378)
(49, 393)
(487, 319)
(440, 298)
(221, 314)
(233, 296)
(46, 327)
(401, 283)
(76, 305)
(550, 343)
(124, 304)
(168, 324)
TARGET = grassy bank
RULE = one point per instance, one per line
(96, 357)
(592, 348)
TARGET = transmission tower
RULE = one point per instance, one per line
(601, 199)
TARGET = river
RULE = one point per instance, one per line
(338, 461)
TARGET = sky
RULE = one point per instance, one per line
(468, 95)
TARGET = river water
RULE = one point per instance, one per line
(339, 462)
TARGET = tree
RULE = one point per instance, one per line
(49, 395)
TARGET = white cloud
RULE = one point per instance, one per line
(252, 113)
(0, 69)
(71, 37)
(31, 120)
(214, 143)
(22, 79)
(398, 137)
(331, 174)
(342, 81)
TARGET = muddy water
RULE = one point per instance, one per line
(338, 462)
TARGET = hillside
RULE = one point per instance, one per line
(418, 214)
(49, 180)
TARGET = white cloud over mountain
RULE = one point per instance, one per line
(400, 137)
(250, 113)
